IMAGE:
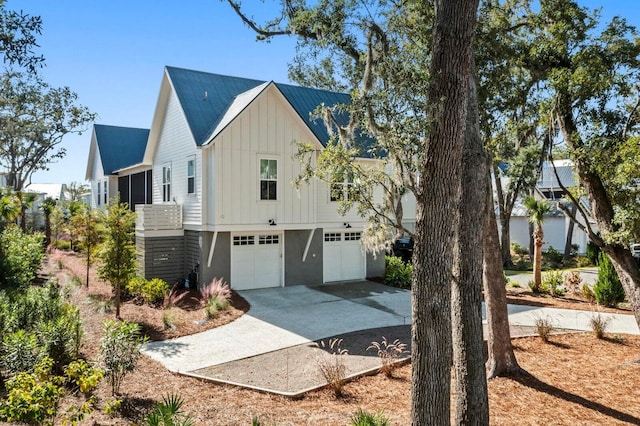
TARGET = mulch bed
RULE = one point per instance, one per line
(575, 379)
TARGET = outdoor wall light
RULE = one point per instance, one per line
(347, 225)
(272, 222)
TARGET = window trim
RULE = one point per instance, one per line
(166, 182)
(99, 197)
(106, 192)
(267, 179)
(192, 177)
(346, 188)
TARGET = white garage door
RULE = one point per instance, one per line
(343, 259)
(256, 261)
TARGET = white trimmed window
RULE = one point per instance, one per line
(106, 193)
(268, 179)
(99, 197)
(166, 183)
(341, 191)
(191, 176)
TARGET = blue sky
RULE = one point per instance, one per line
(112, 54)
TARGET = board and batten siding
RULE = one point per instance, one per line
(176, 146)
(267, 128)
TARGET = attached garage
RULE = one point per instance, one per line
(256, 261)
(343, 259)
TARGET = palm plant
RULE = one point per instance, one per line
(47, 207)
(9, 208)
(26, 200)
(536, 211)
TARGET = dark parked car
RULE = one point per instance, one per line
(403, 248)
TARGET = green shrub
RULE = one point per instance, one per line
(40, 312)
(61, 337)
(552, 283)
(583, 261)
(19, 352)
(363, 418)
(593, 253)
(135, 286)
(552, 257)
(608, 289)
(519, 249)
(83, 375)
(119, 350)
(397, 273)
(20, 257)
(150, 291)
(32, 397)
(169, 413)
(155, 290)
(587, 293)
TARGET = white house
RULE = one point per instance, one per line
(557, 224)
(218, 166)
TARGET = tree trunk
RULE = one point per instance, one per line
(471, 400)
(501, 360)
(537, 258)
(437, 212)
(567, 244)
(505, 240)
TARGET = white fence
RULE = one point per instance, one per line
(153, 217)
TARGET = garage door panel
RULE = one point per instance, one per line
(256, 261)
(343, 259)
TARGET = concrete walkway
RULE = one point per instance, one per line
(283, 317)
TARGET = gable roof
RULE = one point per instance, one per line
(120, 147)
(211, 101)
(548, 179)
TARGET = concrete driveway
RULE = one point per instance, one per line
(284, 317)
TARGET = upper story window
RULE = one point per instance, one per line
(99, 197)
(166, 182)
(268, 179)
(191, 176)
(341, 191)
(106, 193)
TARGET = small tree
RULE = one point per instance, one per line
(85, 227)
(47, 207)
(56, 220)
(119, 350)
(118, 254)
(608, 289)
(536, 210)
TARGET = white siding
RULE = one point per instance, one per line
(98, 176)
(267, 128)
(176, 146)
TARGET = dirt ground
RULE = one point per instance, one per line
(575, 379)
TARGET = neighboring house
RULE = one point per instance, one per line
(219, 153)
(57, 191)
(113, 166)
(557, 224)
(3, 180)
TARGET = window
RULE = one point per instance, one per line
(99, 192)
(342, 191)
(268, 239)
(191, 176)
(105, 193)
(268, 179)
(243, 240)
(333, 236)
(352, 236)
(166, 183)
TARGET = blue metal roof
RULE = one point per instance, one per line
(120, 146)
(205, 97)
